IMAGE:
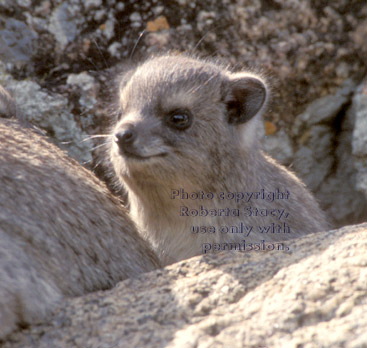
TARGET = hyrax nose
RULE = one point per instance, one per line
(125, 138)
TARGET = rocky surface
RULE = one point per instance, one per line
(359, 136)
(309, 47)
(52, 113)
(314, 295)
(331, 152)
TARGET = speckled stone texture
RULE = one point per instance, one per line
(308, 48)
(314, 295)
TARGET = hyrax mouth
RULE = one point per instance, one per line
(126, 143)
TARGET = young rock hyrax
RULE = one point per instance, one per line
(61, 232)
(185, 150)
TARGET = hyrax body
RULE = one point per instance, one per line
(189, 126)
(61, 232)
(7, 105)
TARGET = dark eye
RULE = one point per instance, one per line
(179, 119)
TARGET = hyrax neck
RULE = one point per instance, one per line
(165, 213)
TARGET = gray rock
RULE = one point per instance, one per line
(88, 4)
(312, 296)
(360, 164)
(278, 145)
(323, 158)
(115, 50)
(21, 3)
(313, 161)
(87, 87)
(135, 17)
(64, 23)
(83, 80)
(16, 41)
(339, 192)
(324, 110)
(52, 113)
(99, 14)
(359, 141)
(359, 108)
(109, 30)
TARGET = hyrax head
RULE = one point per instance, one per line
(184, 120)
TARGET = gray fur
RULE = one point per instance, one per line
(212, 155)
(61, 232)
(7, 105)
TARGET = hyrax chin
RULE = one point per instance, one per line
(185, 150)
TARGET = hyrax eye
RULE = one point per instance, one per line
(179, 119)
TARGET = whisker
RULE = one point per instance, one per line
(200, 41)
(97, 136)
(92, 62)
(100, 52)
(86, 162)
(196, 88)
(136, 44)
(98, 146)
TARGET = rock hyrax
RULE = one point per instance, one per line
(185, 150)
(61, 232)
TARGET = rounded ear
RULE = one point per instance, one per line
(245, 98)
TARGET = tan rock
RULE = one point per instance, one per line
(314, 295)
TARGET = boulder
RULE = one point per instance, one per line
(313, 295)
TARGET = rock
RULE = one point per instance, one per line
(311, 296)
(115, 50)
(89, 4)
(303, 52)
(52, 113)
(324, 110)
(323, 157)
(313, 161)
(359, 141)
(82, 80)
(278, 145)
(16, 42)
(87, 88)
(109, 28)
(64, 23)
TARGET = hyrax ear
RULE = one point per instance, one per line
(245, 98)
